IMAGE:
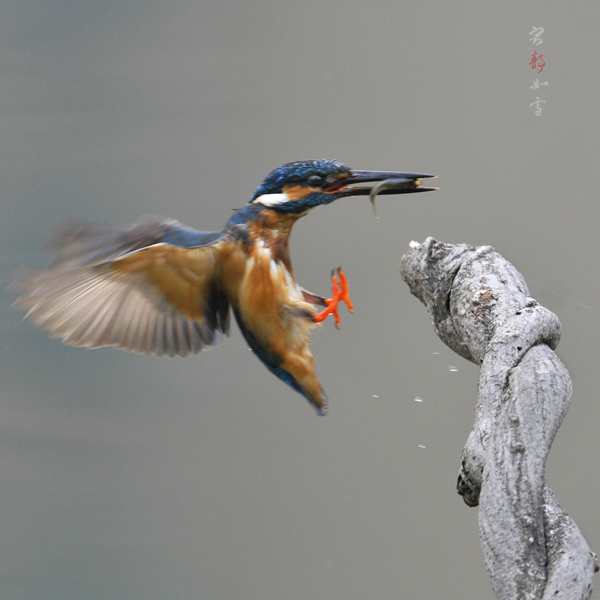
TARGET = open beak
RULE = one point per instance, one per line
(386, 182)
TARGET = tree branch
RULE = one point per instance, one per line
(480, 307)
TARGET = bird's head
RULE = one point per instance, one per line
(296, 187)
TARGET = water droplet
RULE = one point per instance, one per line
(452, 369)
(421, 445)
(375, 396)
(418, 399)
(436, 353)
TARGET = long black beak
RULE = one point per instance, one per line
(387, 182)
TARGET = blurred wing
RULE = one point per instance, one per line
(76, 243)
(161, 299)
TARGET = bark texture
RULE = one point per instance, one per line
(480, 307)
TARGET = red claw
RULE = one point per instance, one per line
(339, 292)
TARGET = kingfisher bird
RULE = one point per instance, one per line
(160, 287)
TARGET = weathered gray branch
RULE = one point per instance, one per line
(480, 307)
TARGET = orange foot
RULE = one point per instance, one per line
(339, 292)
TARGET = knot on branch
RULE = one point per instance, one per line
(480, 307)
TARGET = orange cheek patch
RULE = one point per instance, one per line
(297, 192)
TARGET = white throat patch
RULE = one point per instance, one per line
(272, 199)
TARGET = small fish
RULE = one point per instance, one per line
(392, 184)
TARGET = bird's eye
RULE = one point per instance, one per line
(316, 181)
